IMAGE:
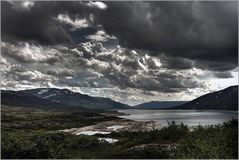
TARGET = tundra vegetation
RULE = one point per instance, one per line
(33, 133)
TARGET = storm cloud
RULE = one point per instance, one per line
(195, 30)
(148, 48)
(38, 22)
(201, 31)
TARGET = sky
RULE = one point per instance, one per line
(131, 52)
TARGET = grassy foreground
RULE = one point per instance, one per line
(32, 133)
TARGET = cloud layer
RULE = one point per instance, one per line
(124, 50)
(204, 31)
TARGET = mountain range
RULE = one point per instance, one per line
(20, 98)
(226, 99)
(53, 97)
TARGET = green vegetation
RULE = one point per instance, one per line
(217, 142)
(32, 119)
(32, 133)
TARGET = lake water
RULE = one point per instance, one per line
(188, 117)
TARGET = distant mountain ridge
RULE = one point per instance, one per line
(61, 97)
(19, 98)
(159, 104)
(226, 99)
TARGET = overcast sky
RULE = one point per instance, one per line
(132, 52)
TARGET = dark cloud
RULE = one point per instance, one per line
(200, 31)
(223, 74)
(194, 30)
(37, 23)
(175, 62)
(215, 65)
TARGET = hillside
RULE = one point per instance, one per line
(57, 98)
(226, 99)
(16, 98)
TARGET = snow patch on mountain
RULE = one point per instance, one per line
(49, 96)
(42, 91)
